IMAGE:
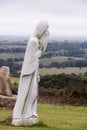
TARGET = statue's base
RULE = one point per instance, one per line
(24, 122)
(7, 101)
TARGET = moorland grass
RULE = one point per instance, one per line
(52, 117)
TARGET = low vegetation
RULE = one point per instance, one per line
(61, 89)
(51, 117)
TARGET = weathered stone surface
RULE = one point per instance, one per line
(26, 105)
(25, 122)
(7, 101)
(5, 81)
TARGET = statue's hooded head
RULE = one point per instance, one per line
(41, 28)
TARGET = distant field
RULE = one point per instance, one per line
(67, 70)
(5, 46)
(44, 61)
(65, 58)
(52, 71)
(11, 55)
(59, 59)
(52, 117)
(47, 61)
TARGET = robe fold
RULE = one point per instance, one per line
(26, 104)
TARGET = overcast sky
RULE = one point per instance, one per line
(66, 17)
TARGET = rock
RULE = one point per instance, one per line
(7, 101)
(5, 81)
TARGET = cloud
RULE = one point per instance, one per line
(66, 17)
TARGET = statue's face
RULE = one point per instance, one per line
(41, 28)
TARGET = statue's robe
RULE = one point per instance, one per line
(26, 104)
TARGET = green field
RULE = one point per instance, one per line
(44, 61)
(51, 71)
(6, 46)
(67, 70)
(52, 117)
(59, 59)
(16, 80)
(5, 56)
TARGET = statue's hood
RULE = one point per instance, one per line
(41, 28)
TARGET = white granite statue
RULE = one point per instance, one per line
(25, 110)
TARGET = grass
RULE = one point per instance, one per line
(59, 59)
(5, 46)
(67, 70)
(16, 80)
(44, 61)
(52, 117)
(11, 55)
(52, 71)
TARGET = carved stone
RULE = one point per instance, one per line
(5, 81)
(25, 110)
(7, 101)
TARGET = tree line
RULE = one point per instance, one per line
(15, 67)
(68, 63)
(12, 50)
(56, 48)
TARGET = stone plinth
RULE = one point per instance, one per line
(7, 101)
